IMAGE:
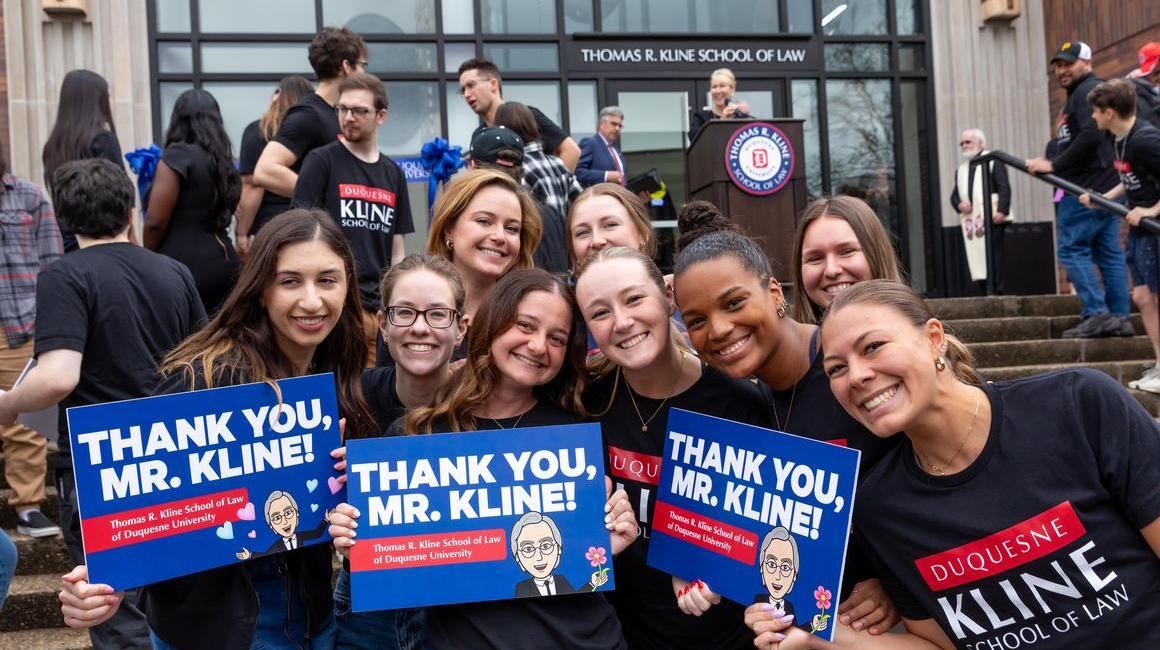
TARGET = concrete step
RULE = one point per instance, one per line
(1018, 328)
(32, 603)
(1121, 371)
(1056, 351)
(1005, 306)
(40, 554)
(50, 507)
(58, 638)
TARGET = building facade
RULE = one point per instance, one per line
(884, 86)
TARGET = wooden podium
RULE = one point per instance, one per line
(769, 219)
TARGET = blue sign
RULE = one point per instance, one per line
(176, 484)
(759, 158)
(482, 515)
(413, 169)
(763, 516)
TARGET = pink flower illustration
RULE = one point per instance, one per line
(822, 596)
(597, 558)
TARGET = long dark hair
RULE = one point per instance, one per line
(240, 338)
(82, 113)
(196, 119)
(291, 89)
(472, 384)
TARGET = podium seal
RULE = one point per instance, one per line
(759, 158)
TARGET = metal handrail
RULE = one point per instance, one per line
(1152, 226)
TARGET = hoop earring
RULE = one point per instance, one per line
(450, 245)
(939, 364)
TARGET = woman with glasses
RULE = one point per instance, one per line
(193, 197)
(294, 311)
(421, 324)
(525, 368)
(486, 224)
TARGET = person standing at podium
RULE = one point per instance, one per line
(722, 85)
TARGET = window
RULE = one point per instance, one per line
(861, 134)
(378, 17)
(853, 17)
(257, 16)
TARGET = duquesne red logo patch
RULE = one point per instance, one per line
(366, 193)
(634, 466)
(1027, 540)
(1123, 166)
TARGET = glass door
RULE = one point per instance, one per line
(766, 97)
(654, 136)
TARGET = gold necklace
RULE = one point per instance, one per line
(516, 424)
(941, 470)
(792, 394)
(644, 422)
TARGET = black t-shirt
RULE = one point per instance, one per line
(250, 150)
(551, 254)
(580, 621)
(1037, 541)
(308, 125)
(644, 598)
(810, 409)
(550, 133)
(123, 308)
(1138, 164)
(1085, 154)
(378, 385)
(369, 201)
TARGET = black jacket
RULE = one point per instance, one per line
(1085, 154)
(1147, 102)
(999, 185)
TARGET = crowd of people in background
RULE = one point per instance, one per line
(537, 301)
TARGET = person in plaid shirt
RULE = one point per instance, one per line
(545, 176)
(29, 242)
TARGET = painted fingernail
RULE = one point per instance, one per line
(788, 618)
(857, 626)
(767, 607)
(778, 636)
(845, 619)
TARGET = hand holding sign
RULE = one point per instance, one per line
(620, 520)
(84, 604)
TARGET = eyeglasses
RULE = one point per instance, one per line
(546, 547)
(277, 517)
(438, 317)
(358, 111)
(785, 567)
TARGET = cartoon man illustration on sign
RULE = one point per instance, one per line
(282, 516)
(537, 547)
(779, 564)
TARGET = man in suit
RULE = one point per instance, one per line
(600, 159)
(779, 571)
(282, 516)
(537, 547)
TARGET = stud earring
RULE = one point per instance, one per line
(449, 244)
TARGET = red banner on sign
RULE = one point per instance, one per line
(722, 538)
(162, 520)
(432, 549)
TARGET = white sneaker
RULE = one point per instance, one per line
(1150, 371)
(1149, 384)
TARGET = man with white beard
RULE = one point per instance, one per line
(967, 199)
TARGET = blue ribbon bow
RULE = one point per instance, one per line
(441, 161)
(143, 162)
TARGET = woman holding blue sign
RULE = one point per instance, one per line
(525, 368)
(294, 311)
(421, 323)
(626, 304)
(1021, 512)
(737, 318)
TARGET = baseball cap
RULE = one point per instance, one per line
(497, 144)
(1070, 51)
(1149, 56)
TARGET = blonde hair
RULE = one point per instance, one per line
(871, 235)
(725, 74)
(459, 192)
(632, 204)
(907, 303)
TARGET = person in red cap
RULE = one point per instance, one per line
(1147, 82)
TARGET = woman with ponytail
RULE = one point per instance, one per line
(644, 370)
(1014, 512)
(738, 319)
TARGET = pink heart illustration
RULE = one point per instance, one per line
(252, 534)
(246, 513)
(333, 484)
